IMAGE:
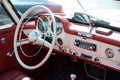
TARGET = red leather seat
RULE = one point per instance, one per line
(15, 75)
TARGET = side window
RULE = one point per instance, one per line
(4, 18)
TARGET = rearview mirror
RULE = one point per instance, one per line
(81, 17)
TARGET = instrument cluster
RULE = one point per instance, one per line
(45, 22)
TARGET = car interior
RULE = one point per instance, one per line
(48, 46)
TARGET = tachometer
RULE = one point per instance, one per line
(43, 24)
(59, 26)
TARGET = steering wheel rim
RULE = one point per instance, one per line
(16, 34)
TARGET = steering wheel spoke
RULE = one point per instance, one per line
(23, 41)
(44, 42)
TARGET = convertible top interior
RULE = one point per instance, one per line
(46, 46)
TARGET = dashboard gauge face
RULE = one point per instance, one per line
(109, 53)
(43, 24)
(59, 26)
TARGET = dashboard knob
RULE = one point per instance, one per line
(96, 59)
(75, 53)
(77, 43)
(59, 41)
(92, 47)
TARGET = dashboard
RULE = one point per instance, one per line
(100, 46)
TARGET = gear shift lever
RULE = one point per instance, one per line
(73, 76)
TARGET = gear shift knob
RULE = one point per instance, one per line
(73, 76)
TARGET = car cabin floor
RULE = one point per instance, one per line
(60, 67)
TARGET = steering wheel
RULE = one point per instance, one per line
(35, 34)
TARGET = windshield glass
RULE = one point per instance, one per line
(108, 10)
(4, 18)
(93, 7)
(28, 2)
(20, 6)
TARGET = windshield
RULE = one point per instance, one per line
(28, 1)
(108, 10)
(93, 7)
(20, 6)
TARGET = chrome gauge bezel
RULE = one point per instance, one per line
(59, 26)
(43, 24)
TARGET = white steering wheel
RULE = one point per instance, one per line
(16, 41)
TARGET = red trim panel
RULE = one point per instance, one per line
(112, 39)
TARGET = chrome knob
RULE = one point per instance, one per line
(96, 59)
(92, 47)
(77, 43)
(73, 76)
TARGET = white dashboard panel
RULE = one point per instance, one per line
(114, 49)
(70, 48)
(110, 61)
(97, 56)
(71, 40)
